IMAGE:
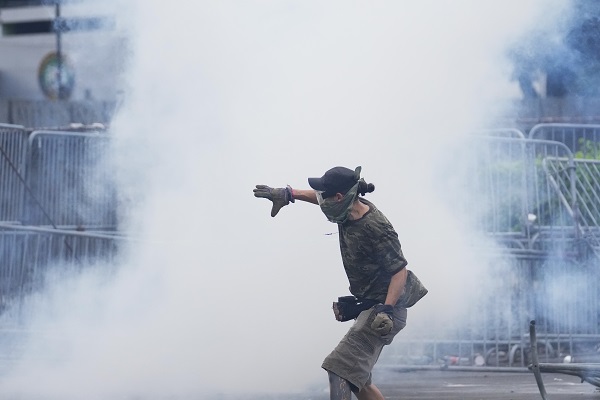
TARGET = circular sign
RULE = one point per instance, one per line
(56, 76)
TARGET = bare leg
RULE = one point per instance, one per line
(369, 392)
(339, 388)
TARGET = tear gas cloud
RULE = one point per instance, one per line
(217, 296)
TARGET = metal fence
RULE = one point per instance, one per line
(27, 253)
(577, 137)
(535, 195)
(69, 180)
(505, 191)
(52, 179)
(539, 204)
(57, 197)
(13, 152)
(56, 178)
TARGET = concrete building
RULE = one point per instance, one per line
(93, 48)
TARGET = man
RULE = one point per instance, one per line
(376, 269)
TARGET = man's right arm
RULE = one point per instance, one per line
(283, 196)
(307, 195)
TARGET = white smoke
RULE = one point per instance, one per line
(219, 297)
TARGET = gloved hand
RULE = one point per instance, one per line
(279, 196)
(383, 322)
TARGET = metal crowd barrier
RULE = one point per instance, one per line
(531, 195)
(535, 199)
(506, 193)
(13, 152)
(577, 183)
(70, 183)
(28, 253)
(561, 294)
(501, 132)
(575, 136)
(56, 178)
(56, 196)
(498, 186)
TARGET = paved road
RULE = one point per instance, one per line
(460, 385)
(454, 385)
(433, 384)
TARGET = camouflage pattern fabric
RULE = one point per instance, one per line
(357, 353)
(371, 253)
(414, 291)
(279, 196)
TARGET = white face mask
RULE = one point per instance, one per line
(319, 194)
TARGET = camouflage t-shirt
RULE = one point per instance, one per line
(371, 253)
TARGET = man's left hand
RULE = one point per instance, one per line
(384, 321)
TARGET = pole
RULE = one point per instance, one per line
(59, 72)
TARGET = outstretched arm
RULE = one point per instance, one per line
(283, 196)
(307, 195)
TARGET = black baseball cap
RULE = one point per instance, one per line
(336, 180)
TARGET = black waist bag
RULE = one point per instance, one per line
(348, 307)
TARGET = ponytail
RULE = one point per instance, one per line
(364, 187)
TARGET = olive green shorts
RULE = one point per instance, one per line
(355, 356)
